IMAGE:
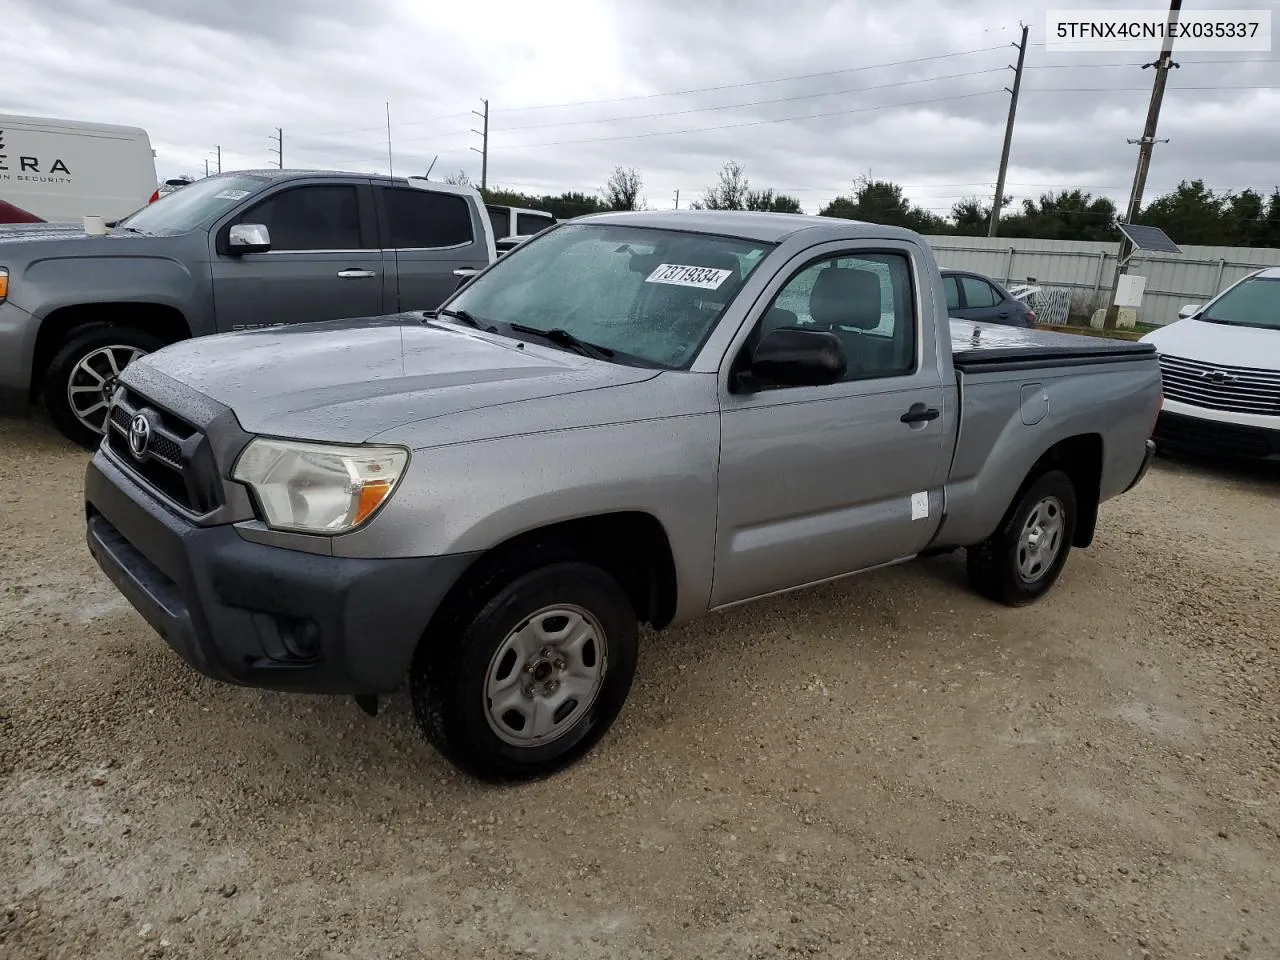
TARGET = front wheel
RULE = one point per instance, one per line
(534, 679)
(78, 384)
(1018, 563)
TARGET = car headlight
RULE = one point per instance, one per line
(318, 487)
(4, 283)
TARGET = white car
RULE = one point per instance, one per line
(1221, 372)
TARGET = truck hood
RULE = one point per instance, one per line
(348, 380)
(1219, 343)
(62, 234)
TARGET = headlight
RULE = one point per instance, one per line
(4, 284)
(317, 487)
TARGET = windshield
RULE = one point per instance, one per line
(648, 295)
(1254, 303)
(187, 208)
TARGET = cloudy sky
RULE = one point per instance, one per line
(807, 94)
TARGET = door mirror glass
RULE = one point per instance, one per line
(249, 238)
(1189, 310)
(799, 358)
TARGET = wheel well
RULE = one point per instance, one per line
(161, 321)
(1080, 458)
(632, 547)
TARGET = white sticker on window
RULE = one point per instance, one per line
(231, 195)
(706, 278)
(919, 506)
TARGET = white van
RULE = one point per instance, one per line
(58, 170)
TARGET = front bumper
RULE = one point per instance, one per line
(1217, 438)
(258, 615)
(17, 340)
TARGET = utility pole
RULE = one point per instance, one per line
(998, 201)
(279, 139)
(1145, 145)
(206, 166)
(677, 199)
(484, 152)
(219, 158)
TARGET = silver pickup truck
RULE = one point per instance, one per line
(631, 418)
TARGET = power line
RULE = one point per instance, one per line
(755, 103)
(756, 123)
(411, 123)
(1147, 89)
(756, 83)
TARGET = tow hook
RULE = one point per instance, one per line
(368, 702)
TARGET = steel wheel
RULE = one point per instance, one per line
(1040, 539)
(545, 675)
(94, 379)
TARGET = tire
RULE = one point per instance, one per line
(461, 677)
(93, 357)
(1004, 567)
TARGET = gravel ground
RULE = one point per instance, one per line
(887, 767)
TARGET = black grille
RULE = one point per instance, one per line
(1217, 387)
(1216, 439)
(177, 463)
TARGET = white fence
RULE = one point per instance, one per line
(1086, 268)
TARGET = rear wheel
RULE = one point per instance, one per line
(79, 382)
(1018, 563)
(534, 678)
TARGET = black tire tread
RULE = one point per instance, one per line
(988, 563)
(435, 675)
(80, 341)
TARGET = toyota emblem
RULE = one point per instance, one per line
(139, 436)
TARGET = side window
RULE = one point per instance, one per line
(978, 293)
(527, 224)
(867, 301)
(418, 219)
(952, 289)
(500, 220)
(311, 218)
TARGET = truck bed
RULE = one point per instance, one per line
(990, 347)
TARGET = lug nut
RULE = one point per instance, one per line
(560, 664)
(552, 686)
(528, 668)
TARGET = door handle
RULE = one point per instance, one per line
(919, 413)
(465, 272)
(1003, 314)
(352, 273)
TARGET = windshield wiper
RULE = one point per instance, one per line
(563, 338)
(461, 316)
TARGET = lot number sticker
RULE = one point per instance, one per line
(706, 278)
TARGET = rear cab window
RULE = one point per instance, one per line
(528, 224)
(420, 219)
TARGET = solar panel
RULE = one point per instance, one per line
(1148, 238)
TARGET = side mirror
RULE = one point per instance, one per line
(799, 358)
(248, 238)
(1189, 310)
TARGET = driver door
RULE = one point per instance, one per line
(818, 482)
(324, 263)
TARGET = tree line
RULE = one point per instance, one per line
(1192, 214)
